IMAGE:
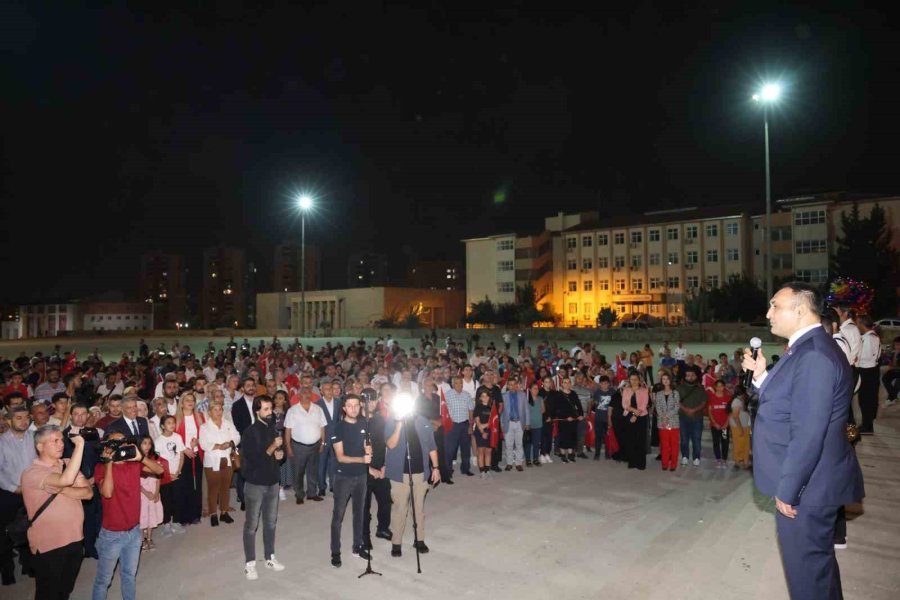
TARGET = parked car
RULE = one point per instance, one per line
(890, 323)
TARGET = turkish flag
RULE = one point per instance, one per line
(70, 363)
(494, 426)
(446, 421)
(590, 436)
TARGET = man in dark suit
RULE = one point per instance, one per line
(801, 456)
(129, 423)
(333, 409)
(242, 416)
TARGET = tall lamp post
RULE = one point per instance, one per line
(305, 203)
(767, 95)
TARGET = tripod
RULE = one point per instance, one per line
(412, 501)
(369, 570)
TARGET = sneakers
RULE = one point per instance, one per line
(336, 560)
(423, 549)
(167, 530)
(250, 571)
(214, 521)
(396, 550)
(549, 459)
(281, 495)
(696, 462)
(684, 461)
(840, 544)
(886, 404)
(273, 564)
(177, 528)
(226, 518)
(563, 458)
(362, 553)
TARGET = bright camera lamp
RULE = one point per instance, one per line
(402, 405)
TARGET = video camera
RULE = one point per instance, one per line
(90, 434)
(122, 449)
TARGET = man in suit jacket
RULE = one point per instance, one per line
(801, 455)
(129, 423)
(242, 410)
(333, 409)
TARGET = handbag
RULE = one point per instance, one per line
(17, 530)
(235, 460)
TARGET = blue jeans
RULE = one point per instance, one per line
(691, 432)
(601, 425)
(533, 451)
(123, 547)
(262, 501)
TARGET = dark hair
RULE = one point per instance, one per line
(258, 402)
(67, 379)
(7, 399)
(152, 453)
(246, 379)
(80, 405)
(57, 396)
(829, 318)
(603, 378)
(866, 321)
(165, 418)
(353, 397)
(809, 294)
(17, 409)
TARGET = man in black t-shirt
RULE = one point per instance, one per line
(353, 457)
(377, 484)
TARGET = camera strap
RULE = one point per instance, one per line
(42, 509)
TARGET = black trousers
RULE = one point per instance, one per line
(443, 464)
(720, 443)
(868, 397)
(636, 443)
(55, 572)
(10, 504)
(167, 497)
(346, 489)
(189, 492)
(93, 517)
(381, 489)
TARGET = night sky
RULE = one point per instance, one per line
(126, 129)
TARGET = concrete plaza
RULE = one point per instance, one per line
(589, 530)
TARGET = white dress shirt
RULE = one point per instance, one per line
(305, 425)
(870, 350)
(851, 333)
(210, 435)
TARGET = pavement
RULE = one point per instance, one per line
(588, 530)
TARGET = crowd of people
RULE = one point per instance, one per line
(103, 456)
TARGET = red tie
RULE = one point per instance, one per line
(787, 347)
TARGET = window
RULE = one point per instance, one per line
(588, 286)
(673, 283)
(673, 258)
(812, 275)
(811, 247)
(588, 309)
(506, 244)
(672, 233)
(603, 239)
(587, 241)
(573, 308)
(655, 283)
(712, 256)
(809, 217)
(505, 265)
(781, 234)
(619, 238)
(636, 261)
(573, 286)
(620, 285)
(732, 254)
(587, 264)
(603, 262)
(637, 284)
(674, 308)
(636, 237)
(654, 258)
(731, 228)
(712, 281)
(506, 287)
(691, 257)
(603, 285)
(782, 261)
(690, 232)
(654, 235)
(654, 308)
(712, 230)
(619, 262)
(571, 243)
(572, 264)
(691, 282)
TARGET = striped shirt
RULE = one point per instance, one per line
(459, 404)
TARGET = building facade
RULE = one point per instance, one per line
(115, 316)
(286, 268)
(367, 269)
(163, 285)
(436, 275)
(223, 297)
(46, 320)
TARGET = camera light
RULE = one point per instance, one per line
(402, 405)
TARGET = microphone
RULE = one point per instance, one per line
(747, 379)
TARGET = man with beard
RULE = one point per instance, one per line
(690, 415)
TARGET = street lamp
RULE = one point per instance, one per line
(769, 93)
(304, 202)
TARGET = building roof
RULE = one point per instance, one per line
(661, 217)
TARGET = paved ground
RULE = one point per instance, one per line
(588, 530)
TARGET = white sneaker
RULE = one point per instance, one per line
(250, 571)
(273, 564)
(549, 459)
(839, 546)
(684, 461)
(281, 495)
(177, 528)
(889, 403)
(167, 530)
(696, 462)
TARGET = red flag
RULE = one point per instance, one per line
(494, 426)
(446, 421)
(590, 436)
(621, 373)
(70, 363)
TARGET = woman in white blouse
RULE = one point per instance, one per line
(218, 437)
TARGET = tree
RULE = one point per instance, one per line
(698, 306)
(412, 320)
(739, 299)
(483, 312)
(863, 251)
(607, 316)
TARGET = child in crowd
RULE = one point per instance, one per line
(170, 447)
(151, 505)
(739, 421)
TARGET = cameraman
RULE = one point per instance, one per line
(119, 480)
(92, 516)
(261, 458)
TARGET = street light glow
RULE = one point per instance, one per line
(305, 202)
(769, 93)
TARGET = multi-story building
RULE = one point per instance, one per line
(367, 269)
(435, 275)
(223, 297)
(115, 316)
(286, 272)
(162, 284)
(45, 320)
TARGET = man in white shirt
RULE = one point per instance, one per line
(851, 332)
(304, 437)
(169, 391)
(680, 354)
(160, 410)
(112, 385)
(210, 369)
(869, 353)
(469, 383)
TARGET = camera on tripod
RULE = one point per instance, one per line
(122, 449)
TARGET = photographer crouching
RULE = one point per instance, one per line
(119, 479)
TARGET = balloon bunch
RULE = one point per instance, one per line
(855, 294)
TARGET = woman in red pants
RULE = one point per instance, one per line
(666, 401)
